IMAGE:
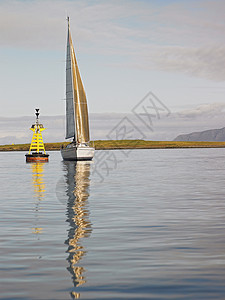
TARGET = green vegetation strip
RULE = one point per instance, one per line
(123, 144)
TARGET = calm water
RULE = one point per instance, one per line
(148, 225)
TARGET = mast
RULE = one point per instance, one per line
(70, 109)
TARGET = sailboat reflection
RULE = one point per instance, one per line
(78, 217)
(39, 191)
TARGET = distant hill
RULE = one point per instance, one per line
(212, 135)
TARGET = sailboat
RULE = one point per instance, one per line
(77, 122)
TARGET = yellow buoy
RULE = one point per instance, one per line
(37, 148)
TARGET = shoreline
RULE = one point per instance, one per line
(122, 144)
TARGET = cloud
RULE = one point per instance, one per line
(185, 37)
(212, 110)
(203, 62)
(16, 130)
(118, 25)
(204, 117)
(38, 24)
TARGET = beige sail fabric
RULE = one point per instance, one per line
(80, 102)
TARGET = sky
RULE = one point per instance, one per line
(125, 49)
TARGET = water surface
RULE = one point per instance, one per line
(150, 226)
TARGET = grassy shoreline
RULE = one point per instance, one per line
(123, 144)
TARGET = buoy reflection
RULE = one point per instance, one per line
(39, 191)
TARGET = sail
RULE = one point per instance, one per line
(77, 111)
(70, 117)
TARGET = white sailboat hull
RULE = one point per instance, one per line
(78, 153)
